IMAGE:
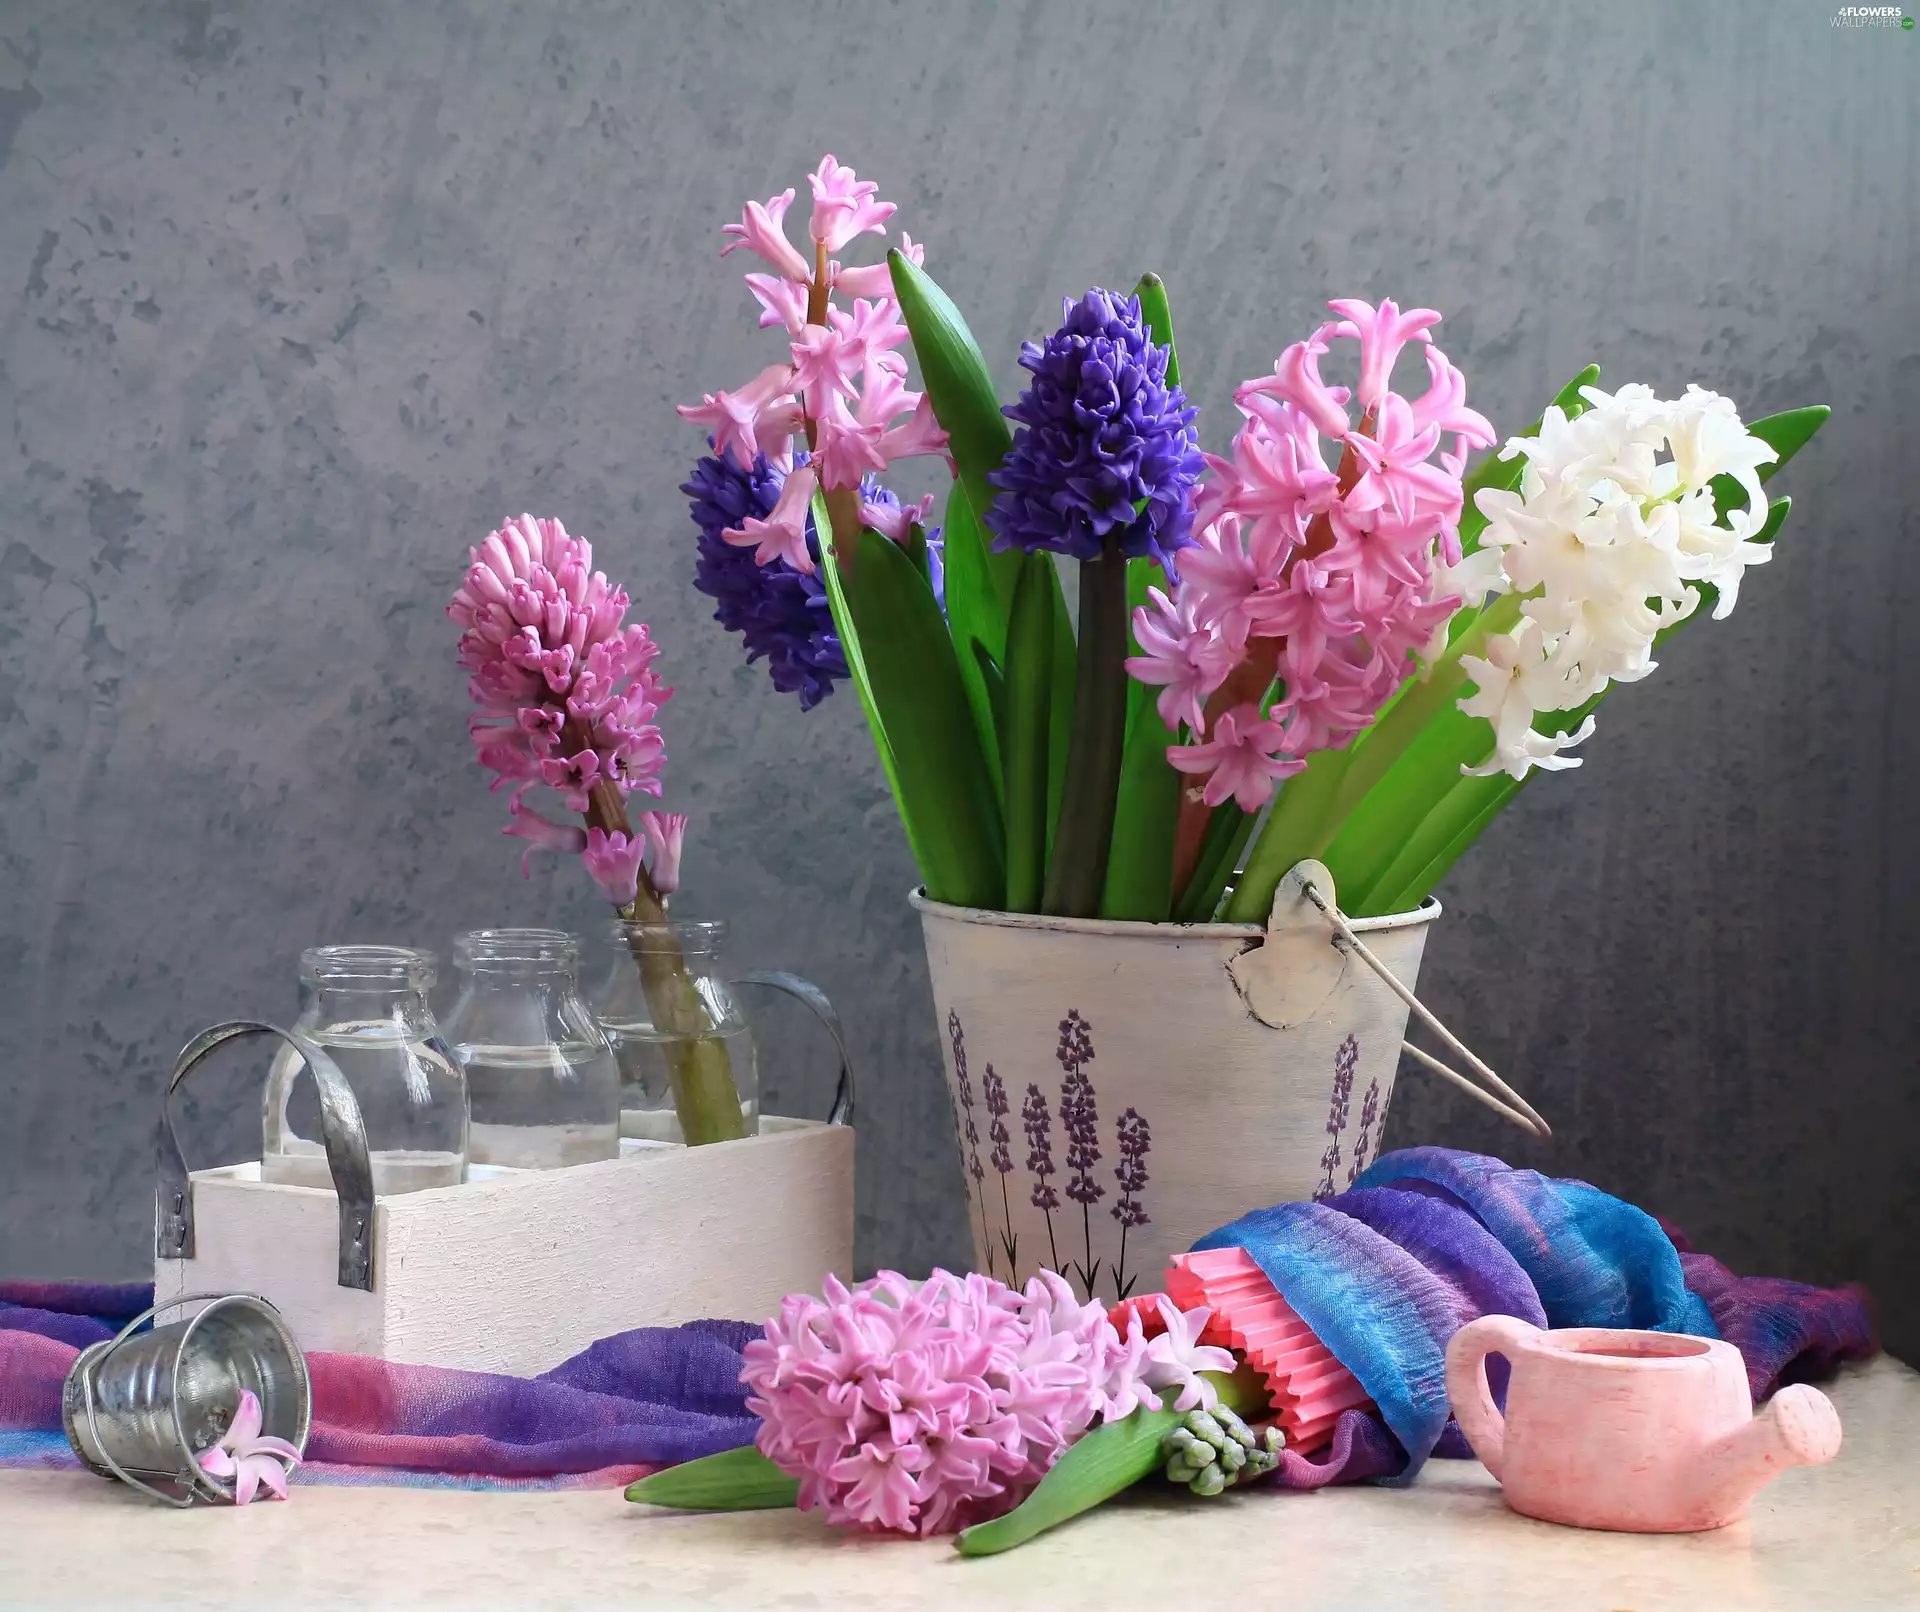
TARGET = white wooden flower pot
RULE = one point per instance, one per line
(513, 1270)
(1121, 1089)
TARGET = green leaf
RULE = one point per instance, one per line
(849, 636)
(1140, 864)
(1113, 1457)
(942, 777)
(1083, 836)
(976, 622)
(733, 1480)
(1029, 674)
(1786, 434)
(1152, 292)
(1063, 682)
(960, 390)
(1299, 826)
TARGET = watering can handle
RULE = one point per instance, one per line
(341, 1129)
(816, 999)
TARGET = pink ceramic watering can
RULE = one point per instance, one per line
(1645, 1432)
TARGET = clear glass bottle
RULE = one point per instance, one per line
(642, 1047)
(366, 1006)
(540, 1076)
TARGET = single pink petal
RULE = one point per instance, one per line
(270, 1472)
(245, 1481)
(246, 1422)
(216, 1462)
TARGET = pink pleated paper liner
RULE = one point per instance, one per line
(1309, 1387)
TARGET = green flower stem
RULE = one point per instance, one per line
(1300, 825)
(1083, 834)
(1029, 670)
(705, 1098)
(704, 1095)
(1114, 1456)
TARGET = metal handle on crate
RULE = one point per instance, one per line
(1516, 1108)
(341, 1129)
(806, 991)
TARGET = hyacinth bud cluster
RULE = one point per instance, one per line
(924, 1407)
(1322, 546)
(565, 697)
(842, 387)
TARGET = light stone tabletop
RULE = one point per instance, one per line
(1843, 1536)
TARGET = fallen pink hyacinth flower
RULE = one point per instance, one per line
(248, 1457)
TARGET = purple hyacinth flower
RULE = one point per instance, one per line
(1106, 447)
(781, 614)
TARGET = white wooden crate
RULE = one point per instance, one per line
(518, 1271)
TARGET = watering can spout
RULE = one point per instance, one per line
(1799, 1427)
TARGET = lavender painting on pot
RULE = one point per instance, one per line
(1164, 1078)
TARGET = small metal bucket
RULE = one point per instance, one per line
(139, 1408)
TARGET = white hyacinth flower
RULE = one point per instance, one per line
(1608, 542)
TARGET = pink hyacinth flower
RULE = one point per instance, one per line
(876, 279)
(614, 860)
(922, 434)
(1296, 379)
(895, 520)
(761, 417)
(541, 833)
(761, 230)
(847, 445)
(844, 206)
(1241, 757)
(248, 1457)
(1444, 404)
(1186, 661)
(827, 360)
(666, 833)
(782, 302)
(783, 534)
(1382, 333)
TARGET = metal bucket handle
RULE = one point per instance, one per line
(341, 1128)
(807, 992)
(200, 1479)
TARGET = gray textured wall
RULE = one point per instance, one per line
(296, 299)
